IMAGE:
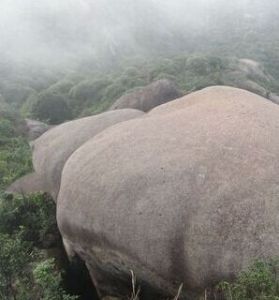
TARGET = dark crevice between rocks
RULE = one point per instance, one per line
(77, 280)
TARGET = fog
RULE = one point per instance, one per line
(69, 31)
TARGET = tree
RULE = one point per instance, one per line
(52, 108)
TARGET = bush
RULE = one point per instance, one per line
(89, 90)
(61, 87)
(14, 258)
(259, 282)
(32, 218)
(16, 94)
(26, 108)
(51, 108)
(27, 228)
(15, 160)
(198, 64)
(6, 129)
(49, 280)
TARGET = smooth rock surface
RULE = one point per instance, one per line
(52, 149)
(27, 184)
(187, 194)
(148, 97)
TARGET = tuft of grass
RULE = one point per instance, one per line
(178, 292)
(135, 289)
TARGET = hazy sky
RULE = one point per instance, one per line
(60, 30)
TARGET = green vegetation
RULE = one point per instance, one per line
(51, 107)
(86, 92)
(15, 154)
(49, 281)
(15, 255)
(193, 60)
(259, 282)
(28, 230)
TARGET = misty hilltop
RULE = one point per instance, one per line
(139, 135)
(70, 31)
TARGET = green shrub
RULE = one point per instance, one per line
(15, 160)
(198, 64)
(49, 280)
(27, 228)
(32, 218)
(6, 129)
(16, 94)
(26, 108)
(61, 87)
(51, 108)
(89, 90)
(15, 255)
(259, 282)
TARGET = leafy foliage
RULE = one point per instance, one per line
(51, 107)
(258, 282)
(31, 218)
(15, 160)
(27, 223)
(15, 255)
(27, 228)
(49, 279)
(15, 154)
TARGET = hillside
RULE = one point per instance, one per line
(138, 150)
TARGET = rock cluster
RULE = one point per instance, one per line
(185, 193)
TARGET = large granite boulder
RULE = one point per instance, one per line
(27, 184)
(148, 97)
(52, 149)
(188, 194)
(254, 70)
(249, 75)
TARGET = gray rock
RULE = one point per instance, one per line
(27, 184)
(254, 70)
(146, 98)
(52, 149)
(187, 194)
(35, 128)
(273, 97)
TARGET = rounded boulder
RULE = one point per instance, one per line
(148, 97)
(52, 149)
(187, 194)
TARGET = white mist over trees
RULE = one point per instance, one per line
(49, 31)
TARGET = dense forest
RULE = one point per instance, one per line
(66, 76)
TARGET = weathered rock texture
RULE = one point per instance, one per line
(187, 194)
(146, 98)
(52, 149)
